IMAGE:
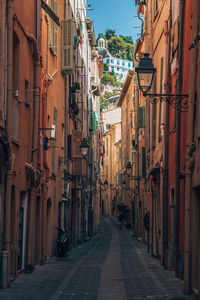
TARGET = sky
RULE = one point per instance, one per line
(119, 15)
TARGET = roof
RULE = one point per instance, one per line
(125, 87)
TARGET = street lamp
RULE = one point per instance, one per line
(105, 184)
(84, 147)
(145, 74)
(124, 184)
(128, 168)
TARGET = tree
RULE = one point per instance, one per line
(110, 33)
(108, 78)
(116, 46)
(127, 39)
(105, 99)
(101, 35)
(130, 51)
(105, 67)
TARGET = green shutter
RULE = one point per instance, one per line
(141, 117)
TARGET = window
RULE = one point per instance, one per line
(123, 64)
(122, 75)
(118, 62)
(112, 61)
(112, 68)
(53, 29)
(132, 148)
(141, 117)
(108, 61)
(129, 65)
(118, 69)
(155, 6)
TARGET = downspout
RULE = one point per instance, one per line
(65, 122)
(178, 139)
(35, 146)
(7, 198)
(165, 141)
(138, 169)
(189, 153)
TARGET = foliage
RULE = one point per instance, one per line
(119, 46)
(105, 100)
(104, 103)
(116, 46)
(100, 35)
(109, 78)
(110, 33)
(105, 67)
(127, 39)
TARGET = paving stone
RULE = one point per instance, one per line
(111, 266)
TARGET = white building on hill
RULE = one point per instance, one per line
(119, 66)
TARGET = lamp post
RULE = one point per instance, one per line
(145, 74)
(128, 168)
(84, 147)
(106, 184)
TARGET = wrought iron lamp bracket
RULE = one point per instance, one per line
(177, 101)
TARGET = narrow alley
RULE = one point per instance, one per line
(111, 266)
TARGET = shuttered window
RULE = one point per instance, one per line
(54, 29)
(141, 117)
(67, 46)
(132, 158)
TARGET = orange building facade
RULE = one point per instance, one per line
(46, 110)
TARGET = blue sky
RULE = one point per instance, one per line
(115, 14)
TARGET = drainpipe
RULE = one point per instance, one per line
(7, 198)
(35, 147)
(138, 171)
(189, 153)
(178, 139)
(165, 141)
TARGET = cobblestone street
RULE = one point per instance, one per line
(111, 266)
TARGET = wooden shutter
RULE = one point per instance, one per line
(55, 31)
(141, 113)
(67, 46)
(76, 141)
